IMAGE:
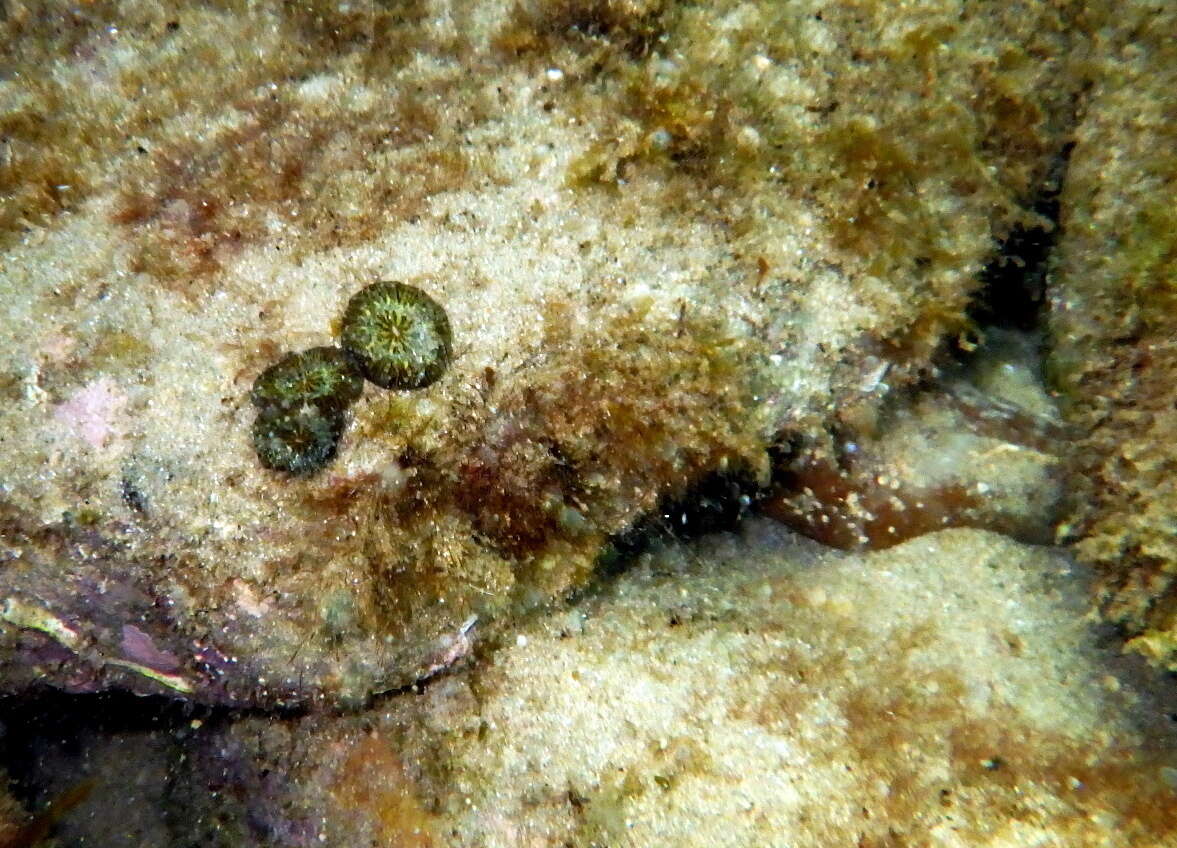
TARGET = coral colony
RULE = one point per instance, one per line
(393, 333)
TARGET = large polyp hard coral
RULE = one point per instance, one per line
(299, 441)
(302, 403)
(400, 336)
(394, 333)
(323, 376)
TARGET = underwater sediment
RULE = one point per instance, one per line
(744, 689)
(679, 265)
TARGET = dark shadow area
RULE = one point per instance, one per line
(34, 721)
(716, 504)
(1013, 284)
(74, 760)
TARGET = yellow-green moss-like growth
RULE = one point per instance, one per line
(399, 335)
(1113, 325)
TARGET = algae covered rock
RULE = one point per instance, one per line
(1113, 320)
(981, 447)
(667, 237)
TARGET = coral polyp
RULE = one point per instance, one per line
(302, 402)
(394, 334)
(298, 441)
(399, 335)
(325, 377)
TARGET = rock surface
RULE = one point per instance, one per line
(1114, 326)
(980, 447)
(668, 236)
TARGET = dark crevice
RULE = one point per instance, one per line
(44, 720)
(1013, 284)
(716, 504)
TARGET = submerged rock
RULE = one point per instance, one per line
(979, 448)
(1113, 320)
(668, 237)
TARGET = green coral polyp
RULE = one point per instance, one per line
(298, 441)
(323, 376)
(302, 403)
(399, 335)
(394, 334)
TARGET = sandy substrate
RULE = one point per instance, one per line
(699, 259)
(750, 689)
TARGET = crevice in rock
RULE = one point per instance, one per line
(716, 504)
(46, 734)
(913, 462)
(1013, 284)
